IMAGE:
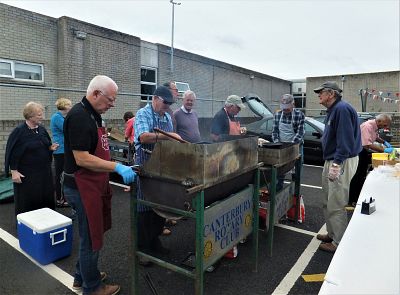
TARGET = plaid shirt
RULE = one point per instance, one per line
(297, 122)
(144, 122)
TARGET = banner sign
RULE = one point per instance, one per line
(226, 223)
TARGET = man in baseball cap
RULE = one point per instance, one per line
(341, 144)
(288, 126)
(153, 115)
(225, 122)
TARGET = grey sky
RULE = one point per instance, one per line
(286, 39)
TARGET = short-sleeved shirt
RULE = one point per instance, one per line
(129, 130)
(144, 122)
(80, 132)
(369, 132)
(220, 122)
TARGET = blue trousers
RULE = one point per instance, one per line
(86, 267)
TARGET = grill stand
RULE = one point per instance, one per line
(198, 203)
(272, 171)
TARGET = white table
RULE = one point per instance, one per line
(367, 259)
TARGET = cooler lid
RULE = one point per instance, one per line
(43, 220)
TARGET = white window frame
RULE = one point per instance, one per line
(146, 82)
(12, 68)
(13, 62)
(181, 83)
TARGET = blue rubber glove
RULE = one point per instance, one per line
(126, 172)
(388, 150)
(386, 144)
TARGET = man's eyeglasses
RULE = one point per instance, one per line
(165, 102)
(109, 98)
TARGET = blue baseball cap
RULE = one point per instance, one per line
(164, 93)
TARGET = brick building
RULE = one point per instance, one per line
(384, 84)
(44, 58)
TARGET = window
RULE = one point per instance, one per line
(21, 71)
(148, 82)
(6, 68)
(182, 87)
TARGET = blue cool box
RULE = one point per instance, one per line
(45, 234)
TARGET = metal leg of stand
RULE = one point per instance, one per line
(270, 236)
(199, 277)
(297, 187)
(256, 206)
(134, 287)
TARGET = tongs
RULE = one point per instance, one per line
(170, 135)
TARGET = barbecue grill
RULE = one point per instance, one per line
(175, 171)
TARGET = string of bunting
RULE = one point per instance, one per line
(381, 95)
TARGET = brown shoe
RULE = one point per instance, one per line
(106, 290)
(328, 247)
(324, 238)
(77, 286)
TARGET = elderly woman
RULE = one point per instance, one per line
(28, 156)
(56, 125)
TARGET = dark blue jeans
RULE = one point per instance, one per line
(86, 268)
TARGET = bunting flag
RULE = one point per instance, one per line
(380, 95)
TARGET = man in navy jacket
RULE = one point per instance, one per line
(341, 144)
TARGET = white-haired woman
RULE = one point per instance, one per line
(28, 157)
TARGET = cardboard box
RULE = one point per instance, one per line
(376, 163)
(116, 134)
(45, 234)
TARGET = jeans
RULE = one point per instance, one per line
(59, 167)
(281, 178)
(86, 267)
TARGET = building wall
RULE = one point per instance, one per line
(380, 81)
(19, 41)
(71, 60)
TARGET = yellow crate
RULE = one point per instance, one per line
(380, 156)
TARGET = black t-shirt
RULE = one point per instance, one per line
(80, 132)
(220, 123)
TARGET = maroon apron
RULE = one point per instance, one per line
(96, 193)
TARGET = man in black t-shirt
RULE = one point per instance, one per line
(224, 122)
(86, 182)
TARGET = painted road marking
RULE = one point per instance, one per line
(299, 230)
(291, 277)
(53, 270)
(311, 186)
(314, 278)
(313, 166)
(306, 185)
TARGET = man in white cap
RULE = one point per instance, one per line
(225, 122)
